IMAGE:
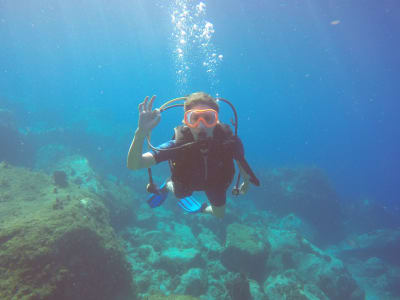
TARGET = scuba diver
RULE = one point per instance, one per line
(201, 155)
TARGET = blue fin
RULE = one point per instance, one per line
(190, 205)
(156, 200)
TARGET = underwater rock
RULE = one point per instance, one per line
(154, 238)
(284, 244)
(382, 243)
(256, 291)
(63, 254)
(340, 285)
(292, 223)
(392, 278)
(175, 260)
(286, 248)
(375, 267)
(146, 218)
(289, 285)
(60, 178)
(193, 282)
(147, 254)
(238, 287)
(185, 233)
(244, 251)
(253, 216)
(327, 272)
(290, 250)
(153, 281)
(119, 199)
(208, 240)
(308, 194)
(379, 279)
(75, 169)
(167, 235)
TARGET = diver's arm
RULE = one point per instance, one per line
(243, 173)
(244, 167)
(148, 119)
(246, 179)
(137, 160)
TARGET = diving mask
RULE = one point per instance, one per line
(193, 117)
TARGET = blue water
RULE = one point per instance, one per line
(307, 91)
(315, 83)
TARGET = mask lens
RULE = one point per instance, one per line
(194, 117)
(208, 117)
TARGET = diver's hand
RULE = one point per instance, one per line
(148, 118)
(244, 187)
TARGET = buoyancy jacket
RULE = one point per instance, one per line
(207, 164)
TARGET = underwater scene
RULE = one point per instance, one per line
(199, 149)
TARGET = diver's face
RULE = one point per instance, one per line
(201, 131)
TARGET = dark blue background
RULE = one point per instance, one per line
(307, 92)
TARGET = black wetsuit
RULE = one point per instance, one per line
(205, 166)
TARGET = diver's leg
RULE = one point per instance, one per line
(218, 211)
(179, 190)
(217, 199)
(170, 186)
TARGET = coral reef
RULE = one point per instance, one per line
(373, 260)
(308, 194)
(118, 198)
(312, 265)
(273, 261)
(193, 282)
(57, 243)
(244, 251)
(174, 260)
(379, 279)
(289, 285)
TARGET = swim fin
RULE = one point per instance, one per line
(157, 199)
(190, 205)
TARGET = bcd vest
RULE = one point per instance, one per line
(204, 165)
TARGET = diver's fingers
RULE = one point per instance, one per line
(150, 107)
(145, 103)
(141, 107)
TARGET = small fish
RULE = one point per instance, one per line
(335, 22)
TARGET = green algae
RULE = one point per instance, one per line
(56, 243)
(245, 252)
(243, 237)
